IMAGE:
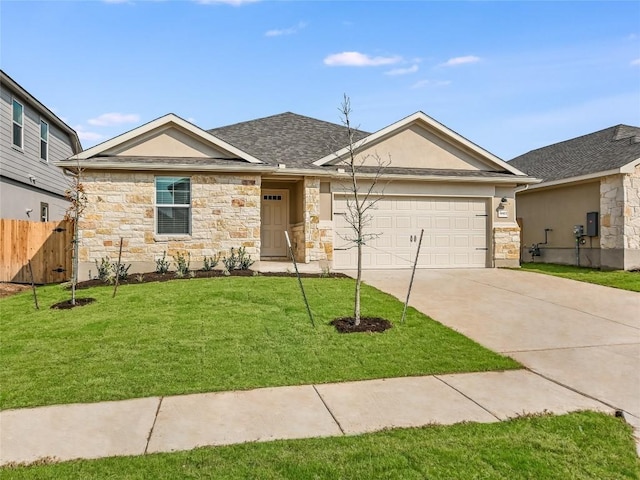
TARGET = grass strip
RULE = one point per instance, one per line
(624, 280)
(584, 445)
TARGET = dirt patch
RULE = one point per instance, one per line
(367, 324)
(8, 289)
(165, 277)
(80, 302)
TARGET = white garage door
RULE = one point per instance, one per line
(455, 233)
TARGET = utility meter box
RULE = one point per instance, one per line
(592, 224)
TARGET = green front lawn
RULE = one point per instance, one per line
(613, 278)
(578, 446)
(202, 335)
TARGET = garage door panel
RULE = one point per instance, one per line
(402, 204)
(454, 230)
(461, 223)
(403, 221)
(423, 222)
(461, 241)
(403, 241)
(383, 221)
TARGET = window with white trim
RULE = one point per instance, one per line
(173, 205)
(18, 124)
(44, 140)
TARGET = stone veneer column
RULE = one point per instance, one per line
(318, 234)
(506, 246)
(612, 222)
(631, 213)
(225, 213)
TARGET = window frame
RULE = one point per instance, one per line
(44, 212)
(14, 123)
(157, 205)
(46, 141)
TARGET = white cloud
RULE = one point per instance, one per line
(114, 118)
(233, 3)
(286, 31)
(402, 71)
(87, 136)
(431, 83)
(191, 120)
(452, 62)
(635, 63)
(357, 59)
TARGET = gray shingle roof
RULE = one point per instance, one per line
(596, 152)
(288, 138)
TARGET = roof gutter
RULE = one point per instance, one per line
(277, 171)
(584, 178)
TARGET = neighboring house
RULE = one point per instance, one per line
(32, 139)
(170, 186)
(596, 174)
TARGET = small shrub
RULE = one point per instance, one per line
(140, 277)
(162, 264)
(182, 264)
(326, 272)
(209, 263)
(244, 259)
(104, 269)
(121, 271)
(238, 261)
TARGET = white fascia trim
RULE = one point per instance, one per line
(89, 165)
(579, 178)
(434, 124)
(165, 120)
(435, 178)
(630, 167)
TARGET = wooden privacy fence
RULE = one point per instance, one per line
(47, 244)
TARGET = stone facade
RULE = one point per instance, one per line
(225, 213)
(631, 212)
(611, 209)
(318, 234)
(506, 246)
(620, 220)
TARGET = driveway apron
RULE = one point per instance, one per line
(584, 336)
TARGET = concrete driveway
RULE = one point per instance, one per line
(584, 336)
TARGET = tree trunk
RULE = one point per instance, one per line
(356, 303)
(74, 265)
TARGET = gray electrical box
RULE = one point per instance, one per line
(592, 224)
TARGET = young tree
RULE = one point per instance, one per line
(77, 203)
(360, 199)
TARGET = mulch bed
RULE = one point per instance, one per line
(148, 277)
(367, 324)
(80, 302)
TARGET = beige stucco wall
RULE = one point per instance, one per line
(171, 142)
(416, 147)
(559, 209)
(225, 213)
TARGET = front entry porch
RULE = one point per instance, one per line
(293, 205)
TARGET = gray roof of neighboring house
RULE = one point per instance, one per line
(288, 138)
(600, 151)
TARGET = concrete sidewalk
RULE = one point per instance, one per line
(149, 425)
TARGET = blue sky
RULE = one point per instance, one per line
(509, 76)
